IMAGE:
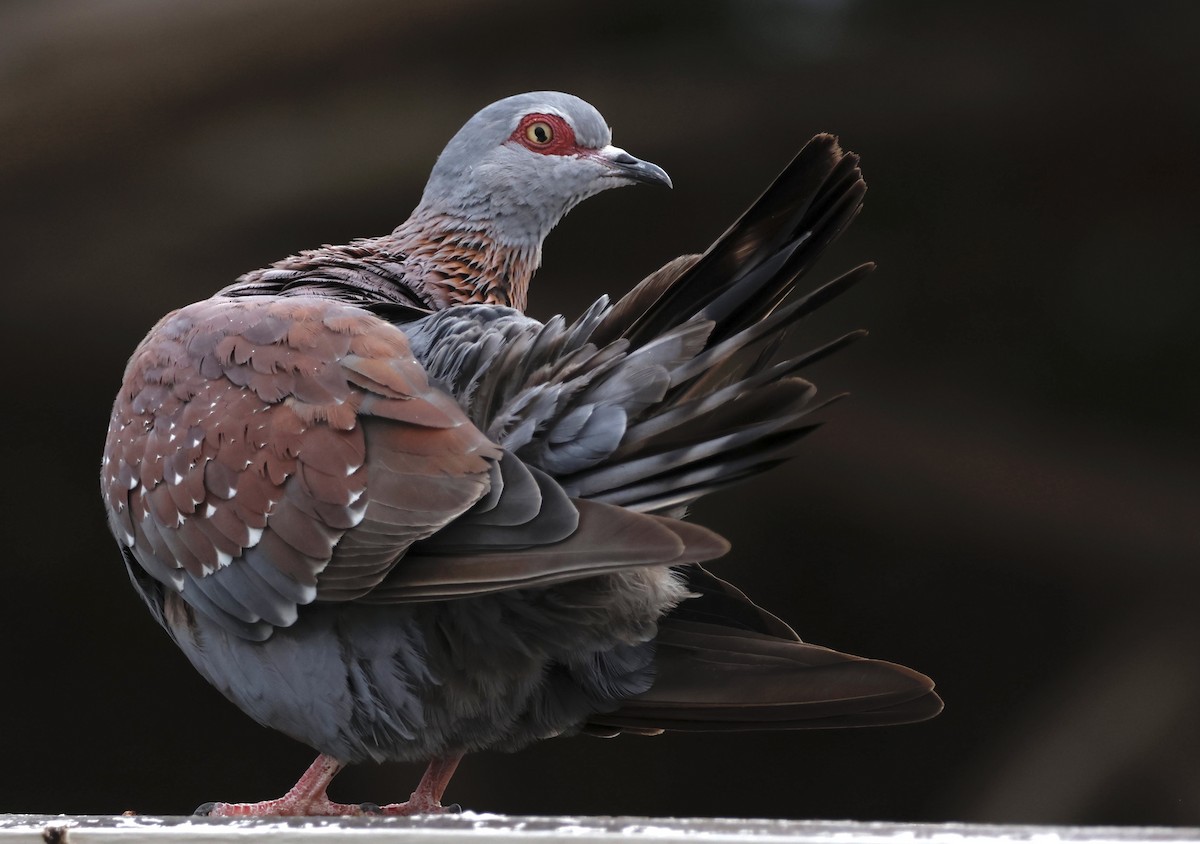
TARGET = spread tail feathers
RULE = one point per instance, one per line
(730, 410)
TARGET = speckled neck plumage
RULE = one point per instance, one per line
(432, 260)
(450, 261)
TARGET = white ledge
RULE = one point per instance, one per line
(473, 828)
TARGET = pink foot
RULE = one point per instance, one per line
(307, 797)
(286, 806)
(413, 806)
(427, 799)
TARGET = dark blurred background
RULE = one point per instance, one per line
(1007, 502)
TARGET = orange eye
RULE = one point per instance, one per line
(539, 133)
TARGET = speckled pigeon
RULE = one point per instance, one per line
(388, 514)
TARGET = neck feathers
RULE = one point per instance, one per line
(455, 262)
(432, 259)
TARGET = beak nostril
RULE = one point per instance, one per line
(632, 168)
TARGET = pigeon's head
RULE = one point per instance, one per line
(519, 165)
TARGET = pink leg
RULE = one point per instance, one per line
(307, 797)
(427, 799)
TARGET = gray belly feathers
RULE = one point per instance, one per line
(412, 681)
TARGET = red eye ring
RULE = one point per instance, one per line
(545, 134)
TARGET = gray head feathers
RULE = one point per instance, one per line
(487, 176)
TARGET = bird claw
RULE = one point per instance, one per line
(409, 808)
(308, 798)
(325, 807)
(415, 805)
(287, 806)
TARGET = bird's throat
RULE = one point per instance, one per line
(449, 261)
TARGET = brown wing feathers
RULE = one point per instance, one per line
(267, 453)
(239, 456)
(607, 539)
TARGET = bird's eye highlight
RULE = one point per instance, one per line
(539, 133)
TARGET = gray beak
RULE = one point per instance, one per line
(625, 166)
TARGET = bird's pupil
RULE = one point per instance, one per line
(542, 134)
